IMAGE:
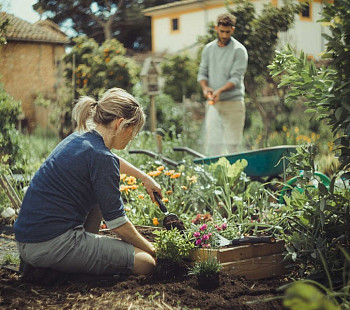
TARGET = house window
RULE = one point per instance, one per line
(306, 13)
(174, 24)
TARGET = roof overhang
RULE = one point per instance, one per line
(179, 6)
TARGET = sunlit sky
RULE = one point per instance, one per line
(21, 8)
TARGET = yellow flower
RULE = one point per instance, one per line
(141, 196)
(160, 168)
(169, 192)
(296, 129)
(127, 209)
(169, 172)
(155, 221)
(175, 175)
(133, 187)
(124, 188)
(122, 176)
(192, 179)
(130, 180)
(184, 187)
(154, 173)
(284, 128)
(165, 200)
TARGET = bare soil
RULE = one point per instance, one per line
(179, 291)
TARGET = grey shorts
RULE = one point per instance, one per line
(78, 251)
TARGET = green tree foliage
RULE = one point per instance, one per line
(259, 34)
(3, 24)
(104, 19)
(98, 68)
(180, 72)
(326, 90)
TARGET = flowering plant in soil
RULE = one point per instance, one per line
(204, 231)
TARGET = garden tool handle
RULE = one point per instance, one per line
(160, 202)
(253, 240)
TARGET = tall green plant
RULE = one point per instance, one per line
(327, 89)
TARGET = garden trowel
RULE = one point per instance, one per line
(245, 240)
(170, 220)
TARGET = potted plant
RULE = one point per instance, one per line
(207, 273)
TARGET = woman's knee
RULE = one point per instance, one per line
(144, 262)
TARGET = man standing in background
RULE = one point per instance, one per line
(221, 75)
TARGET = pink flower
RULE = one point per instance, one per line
(205, 237)
(206, 245)
(198, 242)
(196, 234)
(218, 227)
(224, 226)
(203, 227)
(209, 234)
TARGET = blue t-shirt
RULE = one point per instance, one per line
(80, 173)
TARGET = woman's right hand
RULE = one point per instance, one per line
(151, 186)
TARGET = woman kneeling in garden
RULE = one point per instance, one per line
(77, 185)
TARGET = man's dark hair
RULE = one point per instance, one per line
(226, 19)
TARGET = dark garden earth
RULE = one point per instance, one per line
(176, 291)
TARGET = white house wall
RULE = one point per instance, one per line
(305, 34)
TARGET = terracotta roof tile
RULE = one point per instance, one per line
(42, 31)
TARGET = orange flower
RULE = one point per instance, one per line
(169, 192)
(133, 187)
(154, 173)
(169, 172)
(141, 196)
(175, 175)
(108, 59)
(124, 188)
(130, 180)
(155, 222)
(160, 168)
(184, 187)
(165, 200)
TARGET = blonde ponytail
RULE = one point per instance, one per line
(83, 111)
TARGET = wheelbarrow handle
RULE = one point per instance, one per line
(253, 240)
(189, 151)
(154, 155)
(160, 202)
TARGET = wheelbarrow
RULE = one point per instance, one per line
(268, 162)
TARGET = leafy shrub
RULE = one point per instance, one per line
(10, 109)
(206, 267)
(98, 68)
(172, 245)
(180, 72)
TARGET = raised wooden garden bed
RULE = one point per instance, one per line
(253, 261)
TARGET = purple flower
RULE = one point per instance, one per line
(196, 234)
(224, 226)
(205, 237)
(203, 227)
(198, 242)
